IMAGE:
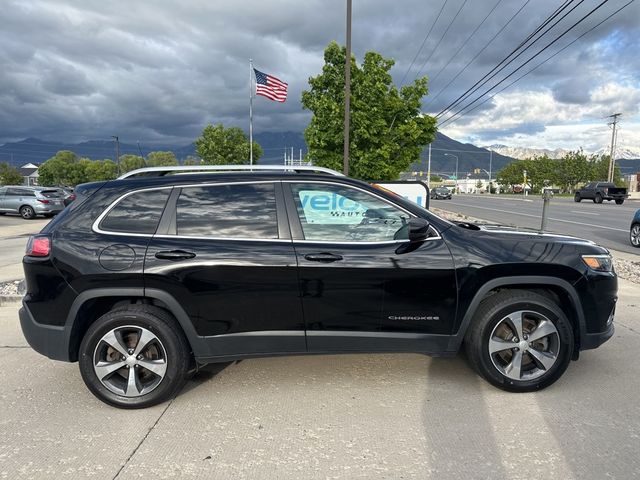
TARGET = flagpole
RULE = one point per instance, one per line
(250, 111)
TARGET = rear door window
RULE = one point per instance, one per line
(137, 213)
(20, 192)
(239, 211)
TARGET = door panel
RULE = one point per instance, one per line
(224, 258)
(369, 289)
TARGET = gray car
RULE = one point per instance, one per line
(31, 201)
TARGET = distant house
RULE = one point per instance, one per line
(29, 174)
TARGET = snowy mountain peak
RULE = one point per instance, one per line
(525, 152)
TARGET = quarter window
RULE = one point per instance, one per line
(137, 213)
(335, 213)
(228, 211)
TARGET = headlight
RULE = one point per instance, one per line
(599, 263)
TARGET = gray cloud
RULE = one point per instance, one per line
(158, 71)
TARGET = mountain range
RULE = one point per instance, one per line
(526, 152)
(445, 152)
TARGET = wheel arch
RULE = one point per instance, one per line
(92, 304)
(559, 290)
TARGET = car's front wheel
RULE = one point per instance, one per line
(134, 357)
(634, 235)
(577, 198)
(519, 341)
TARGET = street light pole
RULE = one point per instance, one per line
(456, 157)
(115, 137)
(490, 161)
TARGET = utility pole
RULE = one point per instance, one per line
(115, 137)
(429, 169)
(347, 92)
(612, 160)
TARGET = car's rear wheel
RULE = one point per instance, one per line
(619, 201)
(577, 198)
(634, 235)
(520, 341)
(27, 212)
(598, 198)
(134, 357)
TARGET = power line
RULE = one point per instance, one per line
(441, 38)
(505, 61)
(541, 63)
(448, 120)
(433, 79)
(423, 42)
(442, 90)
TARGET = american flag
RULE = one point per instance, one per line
(270, 87)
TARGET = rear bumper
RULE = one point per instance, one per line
(43, 208)
(51, 341)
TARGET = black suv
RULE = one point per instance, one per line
(146, 278)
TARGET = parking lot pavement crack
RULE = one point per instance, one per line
(628, 328)
(143, 440)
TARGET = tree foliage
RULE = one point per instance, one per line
(65, 168)
(162, 159)
(225, 146)
(568, 172)
(131, 162)
(387, 131)
(9, 175)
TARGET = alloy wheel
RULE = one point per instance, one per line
(524, 345)
(130, 361)
(635, 235)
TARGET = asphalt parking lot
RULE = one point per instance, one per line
(359, 416)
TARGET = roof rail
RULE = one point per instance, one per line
(193, 169)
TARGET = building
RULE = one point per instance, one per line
(29, 174)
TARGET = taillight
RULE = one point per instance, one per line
(42, 201)
(38, 246)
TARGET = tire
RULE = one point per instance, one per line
(3, 213)
(27, 212)
(577, 198)
(158, 376)
(634, 235)
(536, 312)
(598, 198)
(619, 201)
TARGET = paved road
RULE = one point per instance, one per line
(329, 417)
(14, 233)
(607, 224)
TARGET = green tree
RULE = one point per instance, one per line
(573, 168)
(387, 131)
(131, 162)
(59, 169)
(99, 170)
(436, 179)
(191, 160)
(539, 170)
(162, 159)
(225, 146)
(599, 170)
(9, 175)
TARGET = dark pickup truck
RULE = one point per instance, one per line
(599, 191)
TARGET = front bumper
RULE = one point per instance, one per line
(594, 340)
(51, 341)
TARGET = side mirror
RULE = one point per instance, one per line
(418, 229)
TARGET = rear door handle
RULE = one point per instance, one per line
(323, 257)
(175, 255)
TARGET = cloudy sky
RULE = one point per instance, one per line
(158, 71)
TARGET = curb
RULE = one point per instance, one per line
(10, 299)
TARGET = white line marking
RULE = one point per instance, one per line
(538, 216)
(585, 213)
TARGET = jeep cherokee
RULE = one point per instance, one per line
(145, 278)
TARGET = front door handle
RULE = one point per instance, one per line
(323, 257)
(175, 255)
